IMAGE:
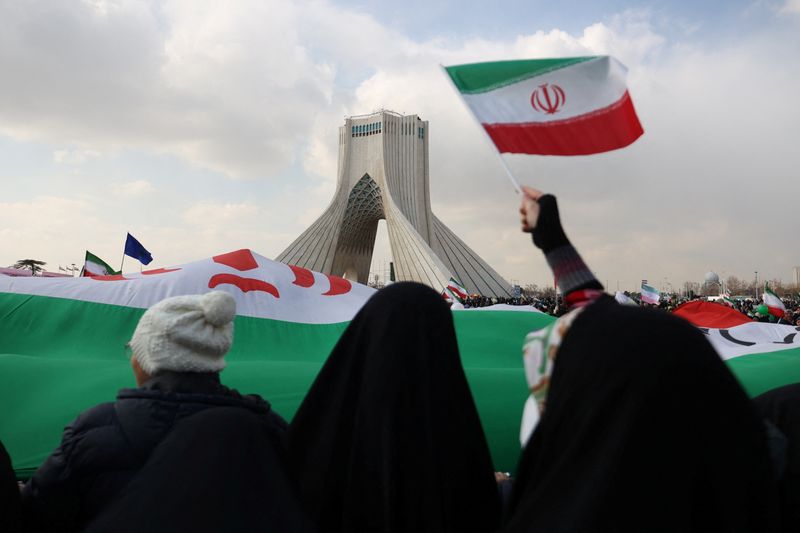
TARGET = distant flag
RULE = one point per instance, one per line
(624, 299)
(458, 292)
(563, 106)
(134, 248)
(650, 294)
(726, 297)
(94, 266)
(451, 298)
(62, 269)
(773, 303)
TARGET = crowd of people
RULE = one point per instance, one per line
(633, 433)
(756, 309)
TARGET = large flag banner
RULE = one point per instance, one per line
(133, 248)
(94, 266)
(566, 106)
(762, 355)
(62, 344)
(773, 303)
(650, 295)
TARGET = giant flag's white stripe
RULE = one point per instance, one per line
(263, 288)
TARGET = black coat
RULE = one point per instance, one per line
(218, 470)
(104, 448)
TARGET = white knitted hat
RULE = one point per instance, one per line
(185, 333)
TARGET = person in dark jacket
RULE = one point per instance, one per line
(218, 470)
(178, 350)
(643, 427)
(388, 438)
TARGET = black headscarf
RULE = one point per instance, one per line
(10, 506)
(388, 438)
(219, 470)
(781, 406)
(645, 429)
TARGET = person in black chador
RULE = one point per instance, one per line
(178, 351)
(781, 406)
(643, 426)
(388, 438)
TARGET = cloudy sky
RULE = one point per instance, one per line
(205, 126)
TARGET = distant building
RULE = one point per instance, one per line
(383, 175)
(796, 271)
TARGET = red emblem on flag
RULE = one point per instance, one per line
(548, 98)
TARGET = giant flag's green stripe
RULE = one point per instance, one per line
(59, 357)
(483, 77)
(760, 372)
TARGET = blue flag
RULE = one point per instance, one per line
(134, 248)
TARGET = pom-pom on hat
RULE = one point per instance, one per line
(185, 333)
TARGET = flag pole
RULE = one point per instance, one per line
(122, 263)
(488, 139)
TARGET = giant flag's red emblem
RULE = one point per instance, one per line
(548, 98)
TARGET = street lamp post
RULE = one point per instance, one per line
(755, 289)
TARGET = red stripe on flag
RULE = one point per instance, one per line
(711, 315)
(612, 127)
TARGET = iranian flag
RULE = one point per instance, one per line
(94, 266)
(650, 294)
(457, 290)
(773, 303)
(566, 106)
(62, 344)
(728, 300)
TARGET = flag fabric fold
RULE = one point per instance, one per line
(563, 106)
(133, 248)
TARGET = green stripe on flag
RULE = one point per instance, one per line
(59, 357)
(483, 77)
(760, 372)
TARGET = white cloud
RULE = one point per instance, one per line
(258, 89)
(75, 156)
(134, 188)
(791, 6)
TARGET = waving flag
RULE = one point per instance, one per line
(773, 303)
(566, 106)
(134, 248)
(457, 290)
(94, 266)
(650, 294)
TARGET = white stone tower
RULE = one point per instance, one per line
(383, 174)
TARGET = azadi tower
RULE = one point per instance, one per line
(383, 174)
